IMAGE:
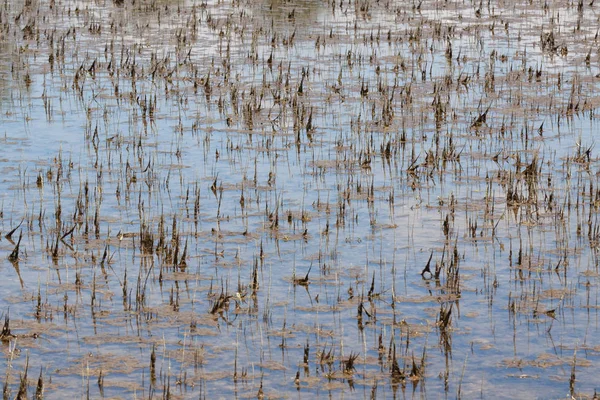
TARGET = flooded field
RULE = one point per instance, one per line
(284, 199)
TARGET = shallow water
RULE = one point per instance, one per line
(351, 140)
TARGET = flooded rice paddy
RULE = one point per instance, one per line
(283, 199)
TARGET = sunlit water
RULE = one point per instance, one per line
(287, 137)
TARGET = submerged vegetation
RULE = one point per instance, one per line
(270, 198)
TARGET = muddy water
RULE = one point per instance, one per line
(238, 199)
